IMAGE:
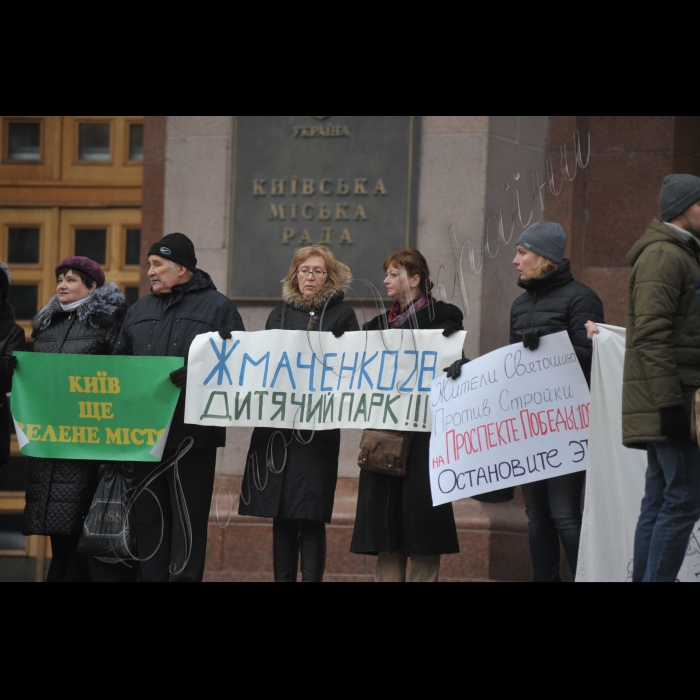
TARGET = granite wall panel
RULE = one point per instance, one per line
(622, 197)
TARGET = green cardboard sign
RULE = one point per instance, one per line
(105, 407)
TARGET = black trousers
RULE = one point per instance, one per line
(196, 470)
(553, 508)
(67, 566)
(289, 537)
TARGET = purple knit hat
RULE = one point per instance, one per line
(80, 262)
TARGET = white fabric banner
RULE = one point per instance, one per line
(616, 477)
(295, 379)
(514, 416)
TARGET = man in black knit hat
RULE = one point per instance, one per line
(182, 304)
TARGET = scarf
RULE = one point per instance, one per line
(74, 305)
(397, 317)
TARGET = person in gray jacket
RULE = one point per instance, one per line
(183, 303)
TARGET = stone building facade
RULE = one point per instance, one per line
(471, 173)
(470, 170)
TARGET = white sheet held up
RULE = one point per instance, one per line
(616, 477)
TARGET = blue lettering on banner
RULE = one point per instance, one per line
(395, 354)
(403, 388)
(284, 363)
(343, 367)
(327, 368)
(311, 366)
(222, 358)
(248, 358)
(424, 369)
(363, 370)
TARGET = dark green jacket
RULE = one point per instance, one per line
(662, 358)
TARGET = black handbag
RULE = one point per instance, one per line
(107, 530)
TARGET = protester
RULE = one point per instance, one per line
(395, 517)
(296, 487)
(11, 339)
(83, 318)
(183, 303)
(662, 372)
(552, 302)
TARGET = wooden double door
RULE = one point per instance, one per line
(33, 240)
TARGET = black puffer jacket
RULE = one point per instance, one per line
(396, 513)
(166, 325)
(554, 303)
(60, 491)
(305, 488)
(11, 339)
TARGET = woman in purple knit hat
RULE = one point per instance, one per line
(83, 318)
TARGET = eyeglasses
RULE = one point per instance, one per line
(305, 272)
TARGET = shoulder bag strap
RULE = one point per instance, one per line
(284, 317)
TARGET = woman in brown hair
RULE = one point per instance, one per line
(296, 485)
(395, 517)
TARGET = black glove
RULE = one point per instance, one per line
(225, 332)
(339, 328)
(179, 377)
(674, 424)
(455, 369)
(451, 328)
(531, 338)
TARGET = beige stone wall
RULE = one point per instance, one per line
(198, 188)
(516, 144)
(464, 164)
(453, 167)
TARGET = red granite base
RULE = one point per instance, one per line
(492, 538)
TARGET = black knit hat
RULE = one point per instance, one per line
(176, 247)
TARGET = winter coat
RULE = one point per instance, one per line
(662, 358)
(554, 303)
(305, 487)
(59, 491)
(11, 339)
(396, 513)
(166, 325)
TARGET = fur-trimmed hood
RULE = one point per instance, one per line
(292, 296)
(105, 307)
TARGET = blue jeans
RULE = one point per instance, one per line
(670, 508)
(553, 508)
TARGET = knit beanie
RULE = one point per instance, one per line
(176, 247)
(546, 239)
(4, 282)
(678, 192)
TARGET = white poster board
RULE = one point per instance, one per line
(615, 479)
(295, 379)
(514, 416)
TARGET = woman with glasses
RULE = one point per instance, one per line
(295, 484)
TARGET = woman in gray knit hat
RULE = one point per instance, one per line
(552, 302)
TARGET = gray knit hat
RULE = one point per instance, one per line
(546, 239)
(678, 192)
